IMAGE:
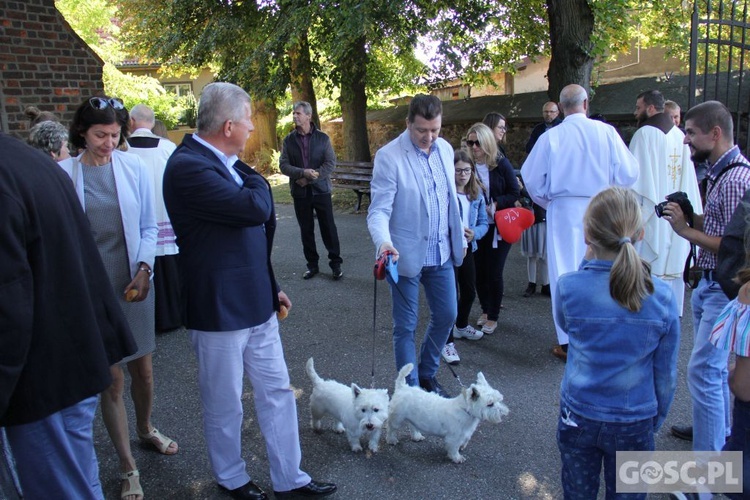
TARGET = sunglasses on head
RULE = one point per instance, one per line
(472, 143)
(100, 103)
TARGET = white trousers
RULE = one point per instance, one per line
(565, 245)
(223, 358)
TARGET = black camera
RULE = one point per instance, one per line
(682, 200)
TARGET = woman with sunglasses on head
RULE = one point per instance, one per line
(500, 190)
(116, 192)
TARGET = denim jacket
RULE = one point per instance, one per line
(622, 365)
(477, 220)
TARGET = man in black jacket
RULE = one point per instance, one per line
(551, 114)
(308, 159)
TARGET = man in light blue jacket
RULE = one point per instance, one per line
(414, 215)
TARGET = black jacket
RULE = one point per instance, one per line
(538, 131)
(504, 189)
(60, 324)
(322, 158)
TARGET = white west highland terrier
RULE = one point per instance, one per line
(455, 420)
(357, 411)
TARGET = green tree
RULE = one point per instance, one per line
(92, 20)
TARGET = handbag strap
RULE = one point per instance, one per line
(76, 168)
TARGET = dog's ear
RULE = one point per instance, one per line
(356, 390)
(474, 394)
(480, 378)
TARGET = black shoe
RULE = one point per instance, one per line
(312, 489)
(545, 291)
(683, 432)
(249, 491)
(337, 273)
(530, 290)
(309, 274)
(432, 385)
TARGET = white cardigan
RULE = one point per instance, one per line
(135, 193)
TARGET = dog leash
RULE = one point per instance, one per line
(379, 273)
(374, 318)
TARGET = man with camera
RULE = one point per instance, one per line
(665, 167)
(709, 134)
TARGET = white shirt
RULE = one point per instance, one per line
(228, 161)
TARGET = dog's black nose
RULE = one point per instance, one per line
(370, 427)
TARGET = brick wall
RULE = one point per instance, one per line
(43, 63)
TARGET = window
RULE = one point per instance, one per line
(181, 89)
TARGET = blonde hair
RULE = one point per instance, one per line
(474, 186)
(487, 142)
(612, 223)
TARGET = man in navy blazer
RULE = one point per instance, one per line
(414, 215)
(223, 216)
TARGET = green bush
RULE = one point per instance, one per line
(267, 161)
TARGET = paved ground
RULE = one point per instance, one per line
(332, 321)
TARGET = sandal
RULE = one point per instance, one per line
(131, 484)
(159, 440)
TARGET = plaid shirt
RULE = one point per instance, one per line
(436, 186)
(723, 197)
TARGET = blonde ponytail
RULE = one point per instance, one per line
(612, 222)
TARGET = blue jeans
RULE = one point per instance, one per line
(585, 444)
(740, 441)
(55, 455)
(707, 371)
(440, 289)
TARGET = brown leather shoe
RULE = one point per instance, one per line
(559, 353)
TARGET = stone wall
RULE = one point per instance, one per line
(43, 63)
(515, 139)
(382, 133)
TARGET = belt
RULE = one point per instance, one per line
(709, 275)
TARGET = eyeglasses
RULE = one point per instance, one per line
(472, 143)
(463, 171)
(100, 103)
(502, 127)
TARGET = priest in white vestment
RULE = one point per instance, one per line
(568, 165)
(665, 168)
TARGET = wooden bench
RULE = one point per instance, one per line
(355, 175)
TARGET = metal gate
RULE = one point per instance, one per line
(720, 60)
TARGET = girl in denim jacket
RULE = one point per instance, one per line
(474, 215)
(624, 335)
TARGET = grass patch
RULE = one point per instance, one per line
(343, 199)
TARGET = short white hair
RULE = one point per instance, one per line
(219, 102)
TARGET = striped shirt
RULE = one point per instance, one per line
(732, 329)
(722, 198)
(436, 187)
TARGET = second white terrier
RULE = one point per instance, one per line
(455, 420)
(357, 412)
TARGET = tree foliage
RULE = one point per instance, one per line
(92, 20)
(364, 49)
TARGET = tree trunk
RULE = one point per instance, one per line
(353, 102)
(571, 24)
(264, 137)
(300, 70)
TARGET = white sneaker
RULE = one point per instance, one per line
(489, 327)
(450, 354)
(467, 333)
(482, 320)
